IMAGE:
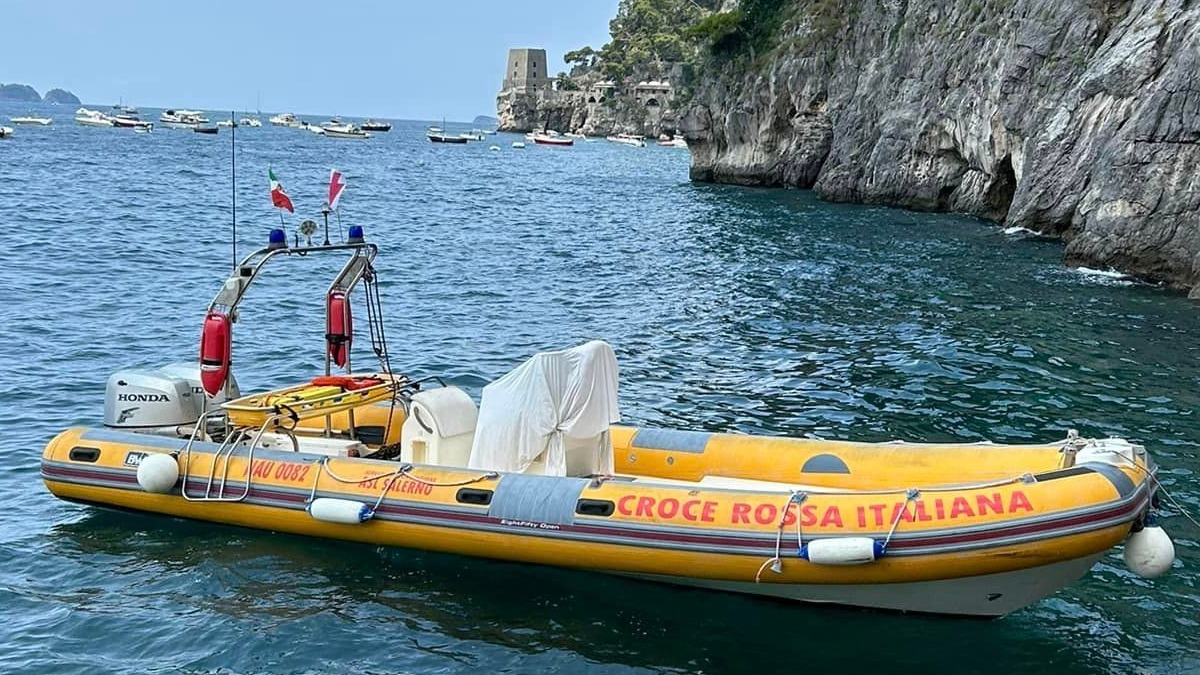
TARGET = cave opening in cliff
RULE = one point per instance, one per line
(999, 195)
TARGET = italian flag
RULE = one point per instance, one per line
(278, 197)
(336, 185)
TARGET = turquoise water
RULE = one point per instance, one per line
(730, 309)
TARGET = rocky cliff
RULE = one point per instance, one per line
(1074, 118)
(571, 111)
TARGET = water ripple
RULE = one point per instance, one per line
(730, 309)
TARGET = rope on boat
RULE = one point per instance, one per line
(404, 471)
(407, 471)
(776, 562)
(909, 496)
(1023, 478)
(1170, 497)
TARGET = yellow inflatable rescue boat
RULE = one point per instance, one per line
(537, 472)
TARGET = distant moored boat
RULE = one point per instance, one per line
(548, 139)
(336, 129)
(440, 137)
(30, 119)
(92, 118)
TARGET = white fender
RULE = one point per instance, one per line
(158, 473)
(344, 511)
(1149, 552)
(842, 551)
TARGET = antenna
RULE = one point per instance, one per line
(233, 181)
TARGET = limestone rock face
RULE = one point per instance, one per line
(1074, 118)
(566, 111)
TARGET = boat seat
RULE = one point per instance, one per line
(440, 428)
(584, 457)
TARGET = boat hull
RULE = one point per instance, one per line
(984, 596)
(1030, 540)
(132, 124)
(94, 122)
(332, 133)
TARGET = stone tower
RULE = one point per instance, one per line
(525, 72)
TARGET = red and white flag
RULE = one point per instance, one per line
(336, 185)
(279, 198)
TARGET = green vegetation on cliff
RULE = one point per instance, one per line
(647, 34)
(652, 38)
(752, 29)
(648, 37)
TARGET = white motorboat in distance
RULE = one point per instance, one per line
(127, 121)
(336, 129)
(5, 132)
(93, 118)
(550, 138)
(628, 139)
(250, 122)
(30, 119)
(182, 119)
(286, 119)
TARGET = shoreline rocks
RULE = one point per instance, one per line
(1072, 119)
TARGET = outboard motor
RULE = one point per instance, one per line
(190, 371)
(144, 399)
(157, 401)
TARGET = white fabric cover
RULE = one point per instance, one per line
(571, 393)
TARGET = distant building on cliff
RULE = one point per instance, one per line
(584, 103)
(525, 72)
(652, 94)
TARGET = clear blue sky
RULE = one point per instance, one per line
(398, 59)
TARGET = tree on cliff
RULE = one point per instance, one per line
(752, 29)
(581, 60)
(646, 34)
(563, 82)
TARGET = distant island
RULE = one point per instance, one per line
(27, 94)
(485, 121)
(61, 96)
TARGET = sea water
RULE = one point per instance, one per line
(730, 309)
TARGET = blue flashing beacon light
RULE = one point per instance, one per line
(277, 239)
(356, 235)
